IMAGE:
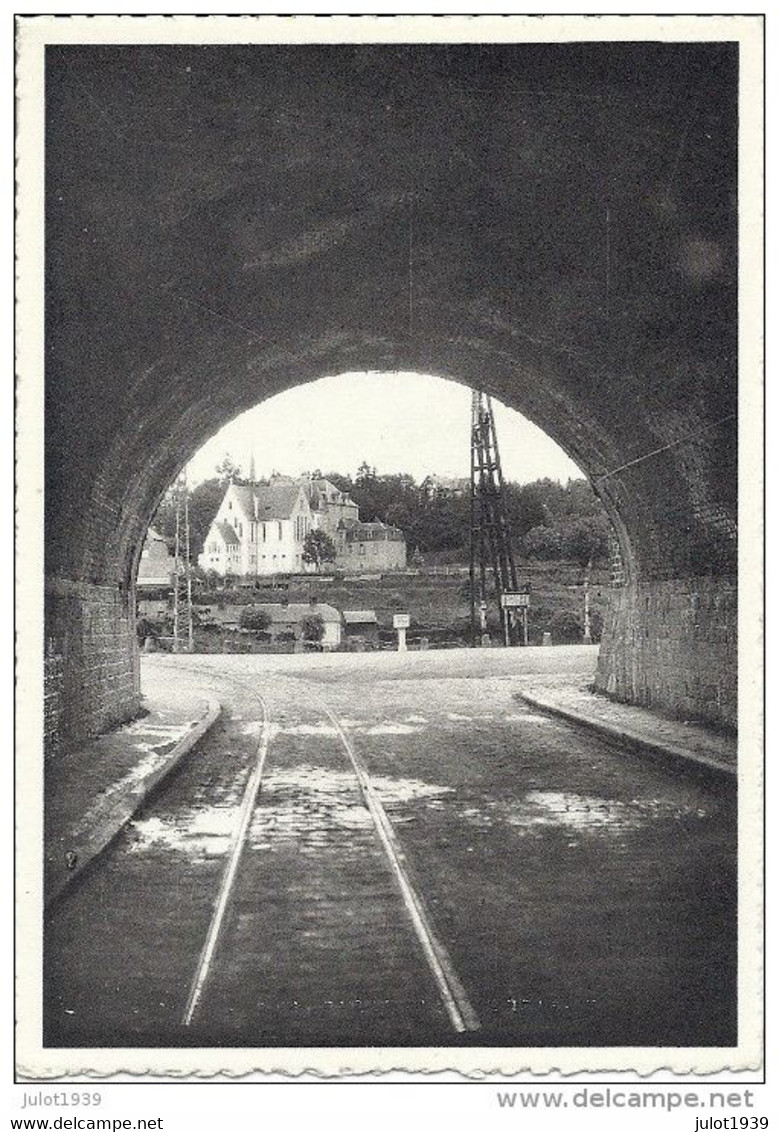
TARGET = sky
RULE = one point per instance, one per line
(397, 422)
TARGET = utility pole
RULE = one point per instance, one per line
(177, 569)
(490, 534)
(188, 565)
(587, 634)
(181, 496)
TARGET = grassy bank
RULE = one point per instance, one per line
(439, 603)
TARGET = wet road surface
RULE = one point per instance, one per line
(573, 893)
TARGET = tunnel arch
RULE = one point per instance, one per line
(553, 223)
(140, 518)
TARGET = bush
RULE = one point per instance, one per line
(566, 627)
(146, 628)
(587, 540)
(543, 542)
(313, 627)
(256, 620)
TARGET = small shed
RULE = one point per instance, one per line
(290, 620)
(362, 623)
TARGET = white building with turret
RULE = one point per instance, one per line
(261, 530)
(258, 530)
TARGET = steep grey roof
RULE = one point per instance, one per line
(228, 534)
(320, 491)
(274, 501)
(356, 531)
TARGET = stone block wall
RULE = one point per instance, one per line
(53, 672)
(673, 645)
(98, 687)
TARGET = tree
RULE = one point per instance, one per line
(204, 503)
(318, 548)
(343, 483)
(227, 470)
(313, 627)
(257, 620)
(543, 543)
(586, 539)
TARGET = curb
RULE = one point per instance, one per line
(632, 738)
(98, 831)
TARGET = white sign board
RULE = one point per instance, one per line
(515, 601)
(401, 621)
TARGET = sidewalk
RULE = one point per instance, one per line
(93, 791)
(638, 727)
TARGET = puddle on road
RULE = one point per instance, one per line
(313, 805)
(411, 725)
(577, 813)
(320, 730)
(322, 781)
(200, 833)
(252, 728)
(310, 805)
(391, 729)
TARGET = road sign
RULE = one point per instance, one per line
(401, 621)
(515, 600)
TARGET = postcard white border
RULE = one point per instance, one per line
(33, 34)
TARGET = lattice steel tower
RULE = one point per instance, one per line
(182, 551)
(490, 537)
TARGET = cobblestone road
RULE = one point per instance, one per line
(581, 896)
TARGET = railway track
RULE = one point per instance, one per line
(461, 1014)
(275, 892)
(406, 914)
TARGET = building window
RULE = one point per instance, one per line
(280, 533)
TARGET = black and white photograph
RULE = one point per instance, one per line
(389, 409)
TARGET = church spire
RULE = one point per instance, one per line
(252, 471)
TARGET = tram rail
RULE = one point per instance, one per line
(453, 995)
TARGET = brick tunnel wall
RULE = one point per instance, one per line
(568, 262)
(673, 645)
(91, 627)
